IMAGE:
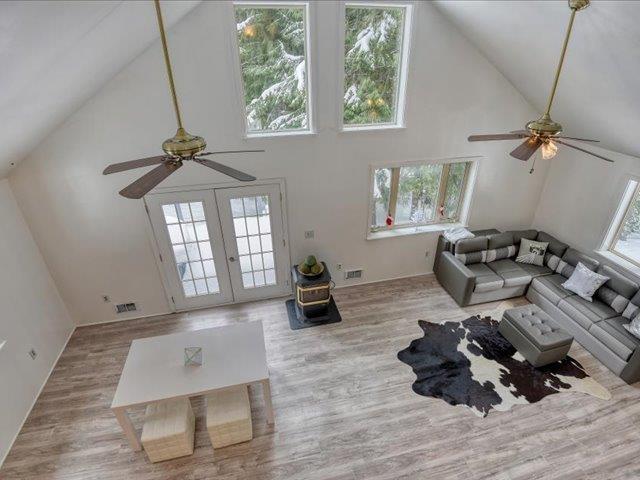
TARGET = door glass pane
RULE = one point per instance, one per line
(252, 224)
(192, 249)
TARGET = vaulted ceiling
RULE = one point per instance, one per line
(598, 95)
(54, 56)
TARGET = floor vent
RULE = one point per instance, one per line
(351, 274)
(126, 307)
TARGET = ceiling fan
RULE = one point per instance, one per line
(544, 132)
(178, 149)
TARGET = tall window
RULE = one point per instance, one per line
(376, 42)
(418, 194)
(625, 231)
(272, 41)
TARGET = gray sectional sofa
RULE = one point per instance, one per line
(482, 269)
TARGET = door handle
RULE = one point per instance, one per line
(232, 259)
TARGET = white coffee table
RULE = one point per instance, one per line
(232, 355)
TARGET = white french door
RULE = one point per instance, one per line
(221, 245)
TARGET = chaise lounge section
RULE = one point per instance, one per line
(483, 269)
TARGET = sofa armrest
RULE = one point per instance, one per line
(631, 372)
(456, 278)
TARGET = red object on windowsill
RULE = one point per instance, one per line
(389, 220)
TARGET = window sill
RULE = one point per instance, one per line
(403, 232)
(619, 261)
(371, 128)
(295, 133)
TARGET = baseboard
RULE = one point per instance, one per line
(389, 279)
(64, 347)
(116, 320)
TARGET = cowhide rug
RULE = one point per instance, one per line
(470, 363)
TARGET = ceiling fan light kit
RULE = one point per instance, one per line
(544, 133)
(180, 148)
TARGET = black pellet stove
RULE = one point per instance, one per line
(313, 304)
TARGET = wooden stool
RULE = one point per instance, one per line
(229, 417)
(168, 431)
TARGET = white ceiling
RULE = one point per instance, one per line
(598, 95)
(54, 56)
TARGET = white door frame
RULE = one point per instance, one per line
(153, 239)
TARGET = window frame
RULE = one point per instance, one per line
(403, 67)
(630, 194)
(310, 56)
(439, 222)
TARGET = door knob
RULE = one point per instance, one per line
(232, 259)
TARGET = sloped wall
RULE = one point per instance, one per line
(95, 242)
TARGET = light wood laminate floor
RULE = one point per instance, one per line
(344, 406)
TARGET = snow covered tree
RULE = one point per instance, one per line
(272, 57)
(373, 43)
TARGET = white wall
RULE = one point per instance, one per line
(581, 196)
(33, 317)
(95, 241)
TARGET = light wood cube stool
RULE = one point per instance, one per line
(168, 431)
(229, 417)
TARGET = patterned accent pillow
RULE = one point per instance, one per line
(634, 327)
(532, 252)
(612, 298)
(631, 311)
(584, 282)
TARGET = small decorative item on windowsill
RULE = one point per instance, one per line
(193, 356)
(313, 304)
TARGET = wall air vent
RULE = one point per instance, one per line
(126, 307)
(351, 274)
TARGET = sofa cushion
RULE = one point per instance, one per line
(486, 279)
(584, 312)
(617, 291)
(633, 308)
(571, 258)
(485, 232)
(510, 272)
(471, 250)
(520, 234)
(550, 287)
(556, 247)
(612, 333)
(535, 270)
(500, 240)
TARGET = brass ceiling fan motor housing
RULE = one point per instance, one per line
(578, 4)
(544, 126)
(183, 144)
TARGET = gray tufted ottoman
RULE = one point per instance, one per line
(535, 335)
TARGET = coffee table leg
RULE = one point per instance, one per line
(127, 428)
(266, 392)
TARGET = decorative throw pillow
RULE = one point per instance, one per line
(633, 327)
(532, 252)
(584, 282)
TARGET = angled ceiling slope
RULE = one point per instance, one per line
(56, 55)
(598, 95)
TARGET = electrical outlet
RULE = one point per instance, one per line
(339, 266)
(309, 234)
(426, 254)
(106, 299)
(33, 354)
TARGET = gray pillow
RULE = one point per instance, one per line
(532, 252)
(634, 327)
(584, 282)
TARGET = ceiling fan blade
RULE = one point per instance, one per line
(150, 180)
(228, 151)
(232, 172)
(497, 136)
(585, 151)
(526, 148)
(141, 162)
(574, 138)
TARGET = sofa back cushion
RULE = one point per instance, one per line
(555, 250)
(500, 246)
(472, 250)
(633, 307)
(571, 258)
(617, 291)
(520, 234)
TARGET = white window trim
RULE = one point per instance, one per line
(401, 94)
(465, 202)
(629, 188)
(310, 53)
